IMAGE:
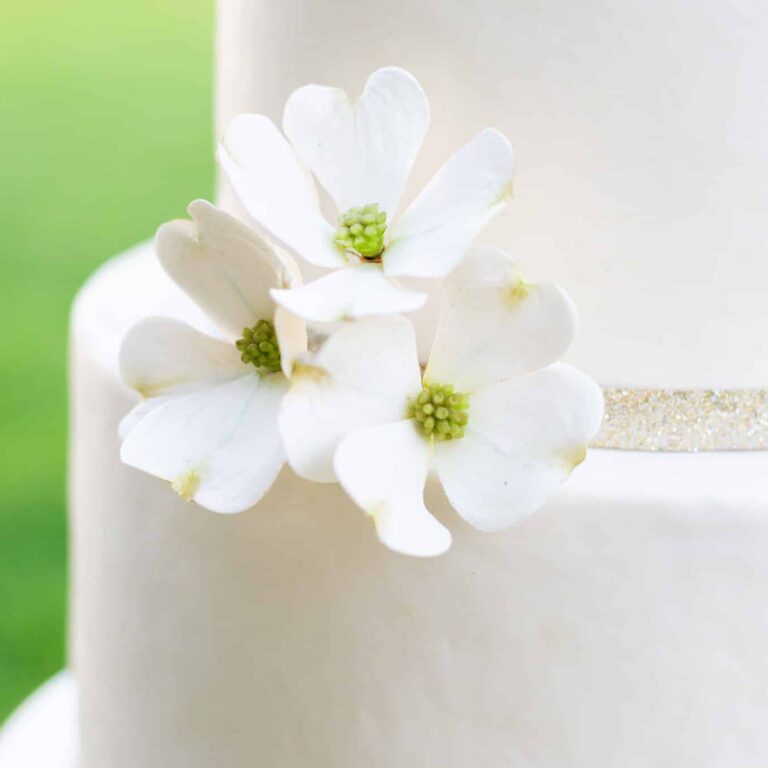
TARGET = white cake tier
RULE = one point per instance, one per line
(43, 732)
(623, 626)
(641, 132)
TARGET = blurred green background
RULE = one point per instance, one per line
(105, 132)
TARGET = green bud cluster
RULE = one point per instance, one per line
(362, 230)
(259, 347)
(440, 412)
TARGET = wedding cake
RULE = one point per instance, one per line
(624, 623)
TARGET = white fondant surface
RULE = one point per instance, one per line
(641, 135)
(622, 626)
(43, 732)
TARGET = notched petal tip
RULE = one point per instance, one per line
(200, 209)
(573, 456)
(436, 543)
(147, 389)
(174, 235)
(292, 338)
(187, 484)
(515, 293)
(497, 153)
(302, 371)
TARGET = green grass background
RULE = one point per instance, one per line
(105, 132)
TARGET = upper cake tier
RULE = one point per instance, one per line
(641, 136)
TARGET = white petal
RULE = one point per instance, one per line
(276, 190)
(465, 194)
(361, 150)
(494, 326)
(363, 375)
(142, 409)
(384, 469)
(524, 438)
(225, 266)
(219, 447)
(291, 334)
(347, 294)
(160, 356)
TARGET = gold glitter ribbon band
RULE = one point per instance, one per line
(685, 420)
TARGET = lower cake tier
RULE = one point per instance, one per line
(624, 625)
(43, 731)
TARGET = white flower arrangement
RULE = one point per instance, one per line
(494, 414)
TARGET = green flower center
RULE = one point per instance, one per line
(258, 346)
(362, 230)
(440, 412)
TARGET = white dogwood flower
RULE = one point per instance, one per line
(208, 419)
(362, 151)
(499, 420)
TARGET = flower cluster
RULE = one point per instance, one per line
(492, 413)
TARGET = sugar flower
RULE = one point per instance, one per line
(208, 419)
(362, 151)
(499, 420)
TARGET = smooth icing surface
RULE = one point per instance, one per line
(624, 625)
(641, 132)
(43, 732)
